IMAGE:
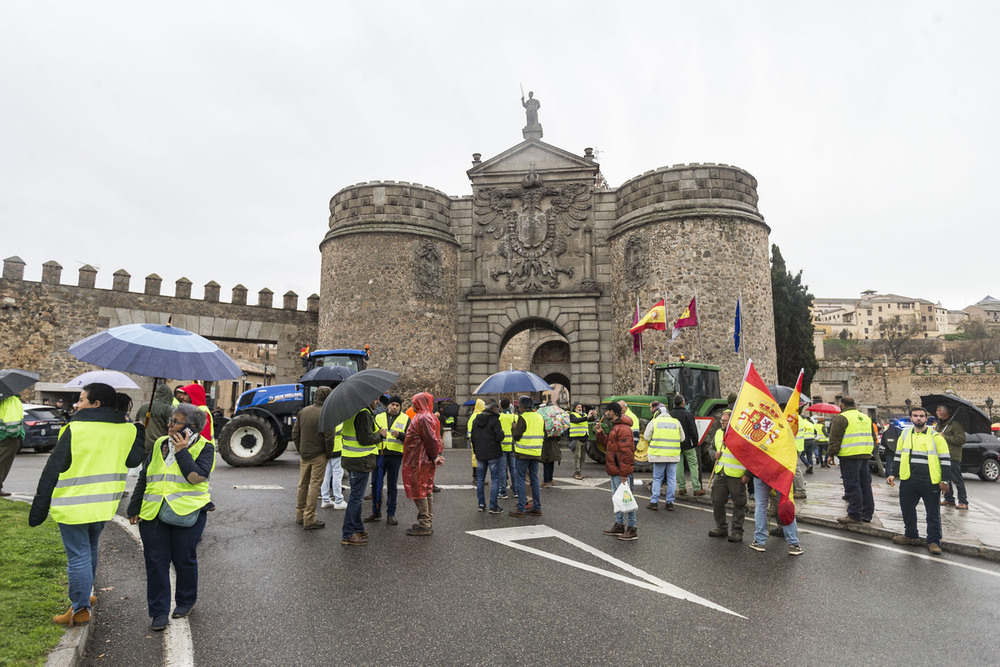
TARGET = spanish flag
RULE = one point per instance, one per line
(655, 319)
(761, 438)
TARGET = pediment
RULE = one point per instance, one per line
(549, 162)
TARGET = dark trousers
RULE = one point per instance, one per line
(957, 483)
(388, 469)
(724, 486)
(548, 470)
(352, 515)
(163, 544)
(858, 488)
(911, 492)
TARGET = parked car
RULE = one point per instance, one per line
(980, 455)
(42, 424)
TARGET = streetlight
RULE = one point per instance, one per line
(989, 406)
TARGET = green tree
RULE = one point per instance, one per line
(793, 327)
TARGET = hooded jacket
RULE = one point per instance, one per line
(421, 447)
(197, 394)
(619, 455)
(487, 434)
(305, 433)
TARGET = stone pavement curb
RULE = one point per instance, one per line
(961, 548)
(69, 651)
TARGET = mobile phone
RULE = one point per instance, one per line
(186, 433)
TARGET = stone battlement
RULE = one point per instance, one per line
(13, 270)
(387, 206)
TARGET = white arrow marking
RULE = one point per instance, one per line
(507, 536)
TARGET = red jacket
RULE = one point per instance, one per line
(197, 394)
(620, 457)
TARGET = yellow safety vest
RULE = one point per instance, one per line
(530, 443)
(821, 435)
(727, 463)
(169, 484)
(635, 420)
(666, 440)
(394, 441)
(208, 421)
(858, 437)
(90, 490)
(12, 418)
(921, 448)
(578, 430)
(338, 438)
(507, 423)
(800, 438)
(353, 448)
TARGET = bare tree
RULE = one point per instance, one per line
(896, 339)
(982, 341)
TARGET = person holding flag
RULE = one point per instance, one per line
(761, 438)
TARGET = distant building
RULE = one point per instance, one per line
(986, 310)
(860, 317)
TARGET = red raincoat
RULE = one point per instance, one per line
(421, 446)
(197, 394)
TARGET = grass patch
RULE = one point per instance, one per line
(33, 587)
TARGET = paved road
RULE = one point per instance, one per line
(273, 594)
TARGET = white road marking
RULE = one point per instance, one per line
(992, 508)
(260, 487)
(508, 537)
(178, 647)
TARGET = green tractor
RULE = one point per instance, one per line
(698, 383)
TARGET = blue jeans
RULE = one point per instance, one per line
(352, 516)
(858, 488)
(333, 480)
(911, 492)
(621, 518)
(510, 466)
(163, 544)
(761, 494)
(527, 467)
(496, 467)
(388, 469)
(661, 471)
(80, 542)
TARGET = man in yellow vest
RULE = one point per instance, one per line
(11, 435)
(822, 439)
(730, 480)
(361, 440)
(665, 435)
(924, 467)
(528, 433)
(507, 419)
(852, 441)
(81, 484)
(579, 432)
(393, 423)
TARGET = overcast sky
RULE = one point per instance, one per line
(205, 139)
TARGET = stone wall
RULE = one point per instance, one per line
(40, 320)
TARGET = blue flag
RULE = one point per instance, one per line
(738, 328)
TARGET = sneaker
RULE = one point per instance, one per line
(809, 470)
(160, 623)
(482, 508)
(517, 514)
(737, 536)
(652, 506)
(534, 512)
(577, 475)
(718, 532)
(326, 504)
(496, 510)
(908, 541)
(669, 507)
(847, 520)
(340, 505)
(795, 550)
(503, 495)
(757, 546)
(181, 611)
(934, 549)
(629, 534)
(616, 529)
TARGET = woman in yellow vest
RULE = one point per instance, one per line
(169, 504)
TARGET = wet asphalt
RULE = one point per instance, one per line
(273, 594)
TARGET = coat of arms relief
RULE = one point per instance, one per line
(532, 225)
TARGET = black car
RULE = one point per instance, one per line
(41, 427)
(980, 455)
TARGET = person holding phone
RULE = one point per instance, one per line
(170, 504)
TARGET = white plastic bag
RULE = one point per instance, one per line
(623, 499)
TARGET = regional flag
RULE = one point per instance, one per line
(655, 319)
(689, 318)
(760, 438)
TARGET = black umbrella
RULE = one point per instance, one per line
(327, 374)
(13, 381)
(353, 394)
(972, 419)
(781, 394)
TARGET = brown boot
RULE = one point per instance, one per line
(629, 534)
(70, 619)
(617, 529)
(699, 492)
(718, 532)
(374, 516)
(356, 540)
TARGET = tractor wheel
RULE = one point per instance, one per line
(642, 463)
(247, 440)
(279, 450)
(596, 452)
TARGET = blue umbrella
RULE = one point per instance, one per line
(509, 382)
(156, 351)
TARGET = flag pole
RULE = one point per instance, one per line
(640, 344)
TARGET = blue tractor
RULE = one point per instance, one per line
(261, 426)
